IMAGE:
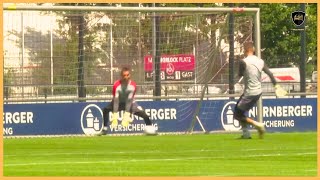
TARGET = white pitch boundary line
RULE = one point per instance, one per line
(143, 152)
(144, 160)
(112, 161)
(149, 173)
(114, 134)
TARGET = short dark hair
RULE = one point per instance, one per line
(124, 69)
(248, 46)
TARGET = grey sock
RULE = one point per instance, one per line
(245, 130)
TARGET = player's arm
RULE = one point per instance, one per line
(115, 114)
(279, 90)
(269, 73)
(116, 95)
(242, 68)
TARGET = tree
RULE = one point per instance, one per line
(311, 30)
(280, 42)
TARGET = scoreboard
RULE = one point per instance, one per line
(180, 67)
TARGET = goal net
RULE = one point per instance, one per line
(78, 53)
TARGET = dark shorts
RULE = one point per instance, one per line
(245, 103)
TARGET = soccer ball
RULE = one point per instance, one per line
(150, 130)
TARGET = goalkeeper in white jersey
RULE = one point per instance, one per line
(250, 68)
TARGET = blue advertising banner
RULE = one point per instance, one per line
(279, 115)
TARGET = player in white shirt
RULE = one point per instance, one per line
(250, 68)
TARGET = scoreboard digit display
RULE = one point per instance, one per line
(178, 67)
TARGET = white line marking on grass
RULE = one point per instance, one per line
(110, 161)
(143, 152)
(120, 172)
(279, 154)
(144, 160)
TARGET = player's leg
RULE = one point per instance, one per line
(244, 104)
(140, 112)
(259, 126)
(238, 114)
(106, 110)
(245, 130)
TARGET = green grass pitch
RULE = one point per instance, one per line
(278, 154)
